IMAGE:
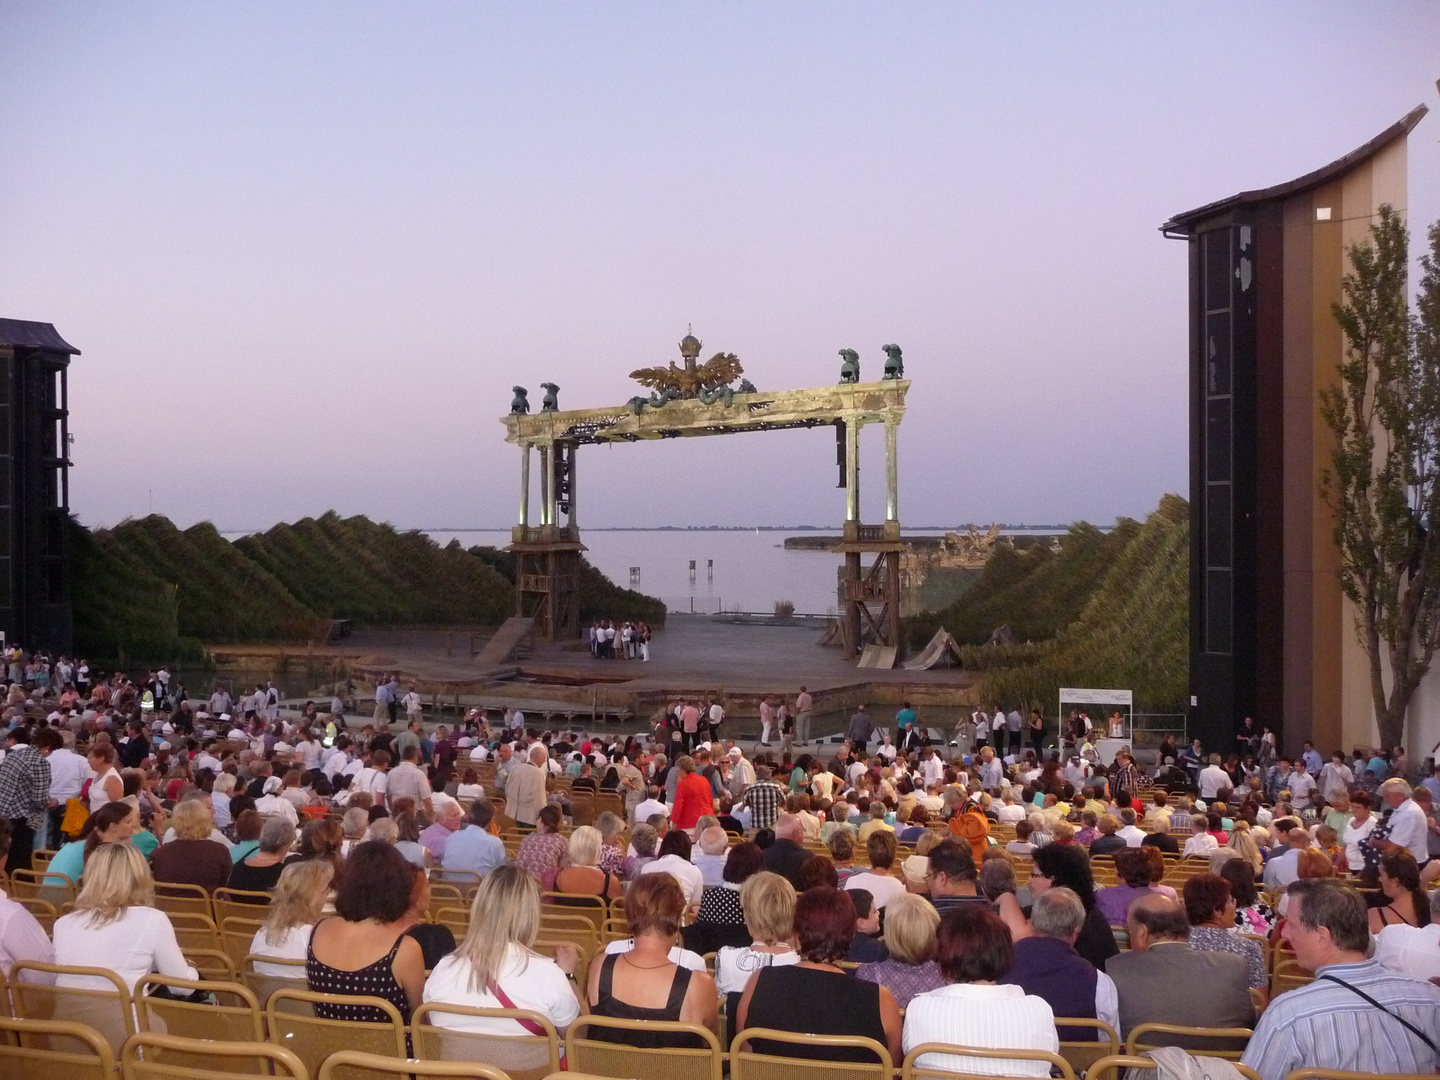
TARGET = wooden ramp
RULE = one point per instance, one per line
(877, 656)
(831, 635)
(500, 647)
(942, 648)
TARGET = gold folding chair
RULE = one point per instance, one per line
(1113, 1068)
(41, 885)
(523, 1056)
(701, 1060)
(1287, 976)
(747, 1063)
(176, 899)
(239, 904)
(53, 1050)
(212, 964)
(40, 858)
(456, 918)
(912, 1070)
(235, 1016)
(614, 930)
(464, 881)
(195, 931)
(1337, 1074)
(236, 937)
(1227, 1043)
(580, 930)
(446, 895)
(1080, 1054)
(106, 1008)
(44, 911)
(292, 1022)
(149, 1056)
(263, 984)
(348, 1064)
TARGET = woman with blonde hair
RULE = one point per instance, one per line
(300, 897)
(192, 858)
(583, 873)
(1242, 840)
(115, 921)
(768, 902)
(496, 966)
(911, 923)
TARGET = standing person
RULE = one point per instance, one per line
(860, 728)
(382, 701)
(1037, 731)
(905, 728)
(767, 720)
(1013, 721)
(982, 728)
(804, 706)
(715, 717)
(689, 726)
(525, 789)
(25, 791)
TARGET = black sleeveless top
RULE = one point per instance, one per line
(609, 1005)
(373, 980)
(787, 999)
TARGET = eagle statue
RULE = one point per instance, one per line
(692, 379)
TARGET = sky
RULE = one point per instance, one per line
(306, 249)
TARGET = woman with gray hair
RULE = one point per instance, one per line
(353, 826)
(261, 871)
(612, 853)
(643, 839)
(997, 877)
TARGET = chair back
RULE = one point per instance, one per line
(444, 895)
(1288, 975)
(1227, 1043)
(52, 1050)
(102, 1005)
(44, 911)
(1338, 1074)
(749, 1063)
(1081, 1055)
(582, 905)
(586, 1051)
(194, 931)
(236, 937)
(456, 918)
(1112, 1067)
(177, 899)
(263, 984)
(41, 885)
(235, 1015)
(153, 1056)
(290, 1016)
(212, 964)
(997, 1060)
(239, 903)
(350, 1065)
(522, 1055)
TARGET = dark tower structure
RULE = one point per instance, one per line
(35, 486)
(1271, 636)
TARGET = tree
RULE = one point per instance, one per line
(1384, 481)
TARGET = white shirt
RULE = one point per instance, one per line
(68, 773)
(996, 1017)
(279, 806)
(22, 938)
(1133, 835)
(1409, 829)
(711, 867)
(645, 810)
(1212, 779)
(215, 834)
(683, 871)
(1410, 950)
(1010, 813)
(1201, 844)
(140, 941)
(734, 966)
(529, 980)
(1353, 835)
(683, 957)
(882, 887)
(98, 798)
(292, 946)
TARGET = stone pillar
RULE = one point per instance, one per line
(524, 485)
(572, 454)
(547, 484)
(892, 471)
(852, 469)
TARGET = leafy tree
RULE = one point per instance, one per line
(1384, 481)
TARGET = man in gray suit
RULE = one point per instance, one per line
(1162, 980)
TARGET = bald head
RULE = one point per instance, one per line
(1155, 918)
(787, 827)
(1299, 839)
(538, 754)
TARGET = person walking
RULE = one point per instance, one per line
(860, 728)
(804, 706)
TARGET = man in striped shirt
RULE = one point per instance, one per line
(1356, 1015)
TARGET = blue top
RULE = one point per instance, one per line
(905, 719)
(243, 850)
(472, 848)
(70, 859)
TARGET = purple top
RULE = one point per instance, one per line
(1114, 901)
(903, 980)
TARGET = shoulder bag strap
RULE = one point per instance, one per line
(1409, 1026)
(505, 1003)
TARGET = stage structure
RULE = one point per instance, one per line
(698, 399)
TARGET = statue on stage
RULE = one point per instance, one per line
(520, 404)
(551, 403)
(894, 363)
(707, 382)
(850, 366)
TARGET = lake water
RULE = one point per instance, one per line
(736, 571)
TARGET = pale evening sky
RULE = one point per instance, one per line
(306, 249)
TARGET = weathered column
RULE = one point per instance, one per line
(547, 485)
(852, 469)
(572, 454)
(892, 471)
(524, 485)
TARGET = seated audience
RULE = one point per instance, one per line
(300, 897)
(644, 839)
(975, 952)
(787, 854)
(436, 940)
(769, 904)
(910, 969)
(192, 858)
(1252, 914)
(407, 840)
(320, 840)
(710, 859)
(1326, 1024)
(643, 982)
(789, 998)
(113, 823)
(879, 881)
(997, 877)
(262, 870)
(543, 851)
(497, 967)
(583, 874)
(1132, 866)
(1069, 867)
(246, 829)
(363, 950)
(1163, 980)
(1211, 911)
(1406, 903)
(115, 924)
(1107, 843)
(842, 855)
(21, 936)
(866, 948)
(473, 848)
(675, 860)
(721, 919)
(1047, 965)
